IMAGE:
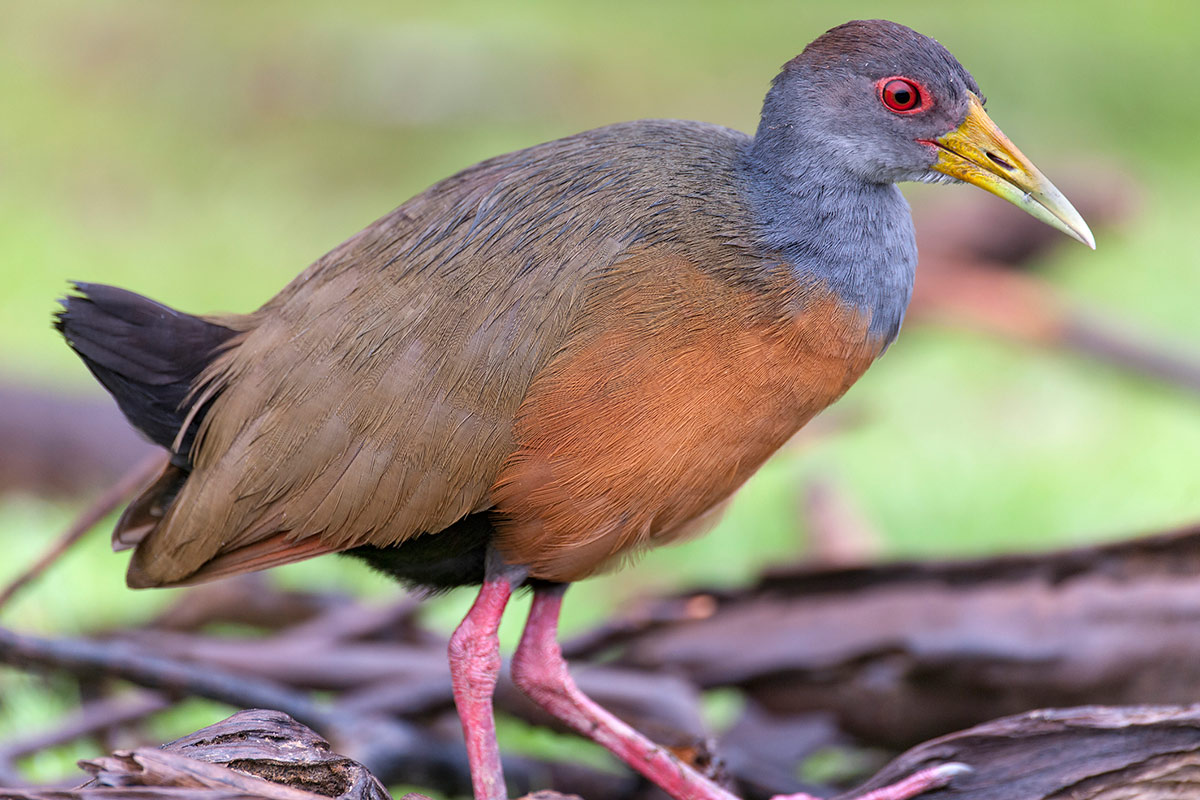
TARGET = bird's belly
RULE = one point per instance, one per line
(633, 435)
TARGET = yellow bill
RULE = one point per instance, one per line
(978, 152)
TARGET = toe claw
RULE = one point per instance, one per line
(952, 770)
(919, 782)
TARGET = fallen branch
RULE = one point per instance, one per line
(104, 505)
(91, 718)
(253, 754)
(903, 652)
(893, 653)
(393, 749)
(975, 273)
(251, 599)
(1085, 753)
(1088, 753)
(382, 742)
(53, 444)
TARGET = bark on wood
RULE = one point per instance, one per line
(1089, 753)
(253, 754)
(895, 654)
(384, 743)
(906, 651)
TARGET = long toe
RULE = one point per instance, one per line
(916, 784)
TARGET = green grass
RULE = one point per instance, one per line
(202, 153)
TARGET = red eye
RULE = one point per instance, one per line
(900, 95)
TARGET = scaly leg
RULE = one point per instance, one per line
(474, 667)
(539, 670)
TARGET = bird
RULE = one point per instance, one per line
(554, 359)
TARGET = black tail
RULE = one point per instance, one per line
(146, 355)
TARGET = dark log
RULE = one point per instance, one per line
(388, 746)
(762, 750)
(1088, 753)
(53, 444)
(906, 651)
(253, 754)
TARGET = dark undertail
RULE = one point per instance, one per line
(436, 563)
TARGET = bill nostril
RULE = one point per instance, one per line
(1000, 162)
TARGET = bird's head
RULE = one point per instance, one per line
(888, 104)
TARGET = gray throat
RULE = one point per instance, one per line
(854, 237)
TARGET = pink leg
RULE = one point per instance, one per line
(474, 667)
(539, 670)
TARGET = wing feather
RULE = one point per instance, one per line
(374, 398)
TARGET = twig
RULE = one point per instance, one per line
(392, 749)
(251, 600)
(1089, 335)
(98, 510)
(89, 719)
(369, 737)
(352, 621)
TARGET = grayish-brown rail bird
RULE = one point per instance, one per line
(555, 358)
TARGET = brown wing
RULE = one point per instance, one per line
(371, 401)
(673, 389)
(374, 398)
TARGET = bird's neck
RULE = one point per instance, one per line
(832, 227)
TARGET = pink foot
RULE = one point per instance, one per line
(539, 670)
(474, 668)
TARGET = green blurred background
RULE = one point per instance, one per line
(202, 153)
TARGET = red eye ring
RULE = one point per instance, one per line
(902, 95)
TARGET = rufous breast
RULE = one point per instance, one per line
(675, 388)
